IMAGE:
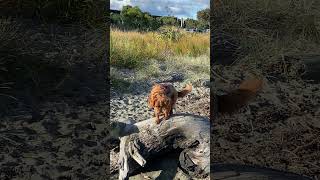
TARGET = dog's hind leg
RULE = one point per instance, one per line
(173, 110)
(173, 103)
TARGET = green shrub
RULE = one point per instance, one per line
(170, 33)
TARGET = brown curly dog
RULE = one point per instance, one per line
(163, 97)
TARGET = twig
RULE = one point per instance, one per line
(252, 128)
(284, 65)
(294, 104)
(12, 141)
(220, 77)
(312, 164)
(290, 152)
(304, 146)
(6, 95)
(62, 81)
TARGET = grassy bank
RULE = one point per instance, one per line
(191, 68)
(267, 31)
(135, 49)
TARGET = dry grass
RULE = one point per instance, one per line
(268, 30)
(193, 68)
(133, 49)
(9, 44)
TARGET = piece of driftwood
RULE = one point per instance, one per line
(142, 141)
(244, 172)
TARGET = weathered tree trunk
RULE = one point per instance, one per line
(142, 141)
(244, 172)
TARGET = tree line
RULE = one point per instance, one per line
(132, 18)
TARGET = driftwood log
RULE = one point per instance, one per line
(244, 172)
(142, 141)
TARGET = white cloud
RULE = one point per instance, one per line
(179, 8)
(117, 4)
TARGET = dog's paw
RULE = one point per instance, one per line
(158, 121)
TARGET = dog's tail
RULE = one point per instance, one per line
(240, 97)
(185, 91)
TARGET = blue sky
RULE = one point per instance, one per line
(178, 8)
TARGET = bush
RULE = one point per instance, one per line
(170, 33)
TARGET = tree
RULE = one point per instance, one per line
(204, 18)
(115, 19)
(204, 15)
(202, 26)
(169, 21)
(132, 16)
(191, 23)
(150, 23)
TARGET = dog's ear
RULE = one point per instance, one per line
(150, 102)
(154, 84)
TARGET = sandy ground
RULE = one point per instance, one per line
(53, 133)
(65, 142)
(279, 129)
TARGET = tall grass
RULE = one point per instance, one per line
(134, 49)
(299, 18)
(10, 44)
(266, 31)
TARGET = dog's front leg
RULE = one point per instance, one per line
(158, 119)
(168, 112)
(157, 115)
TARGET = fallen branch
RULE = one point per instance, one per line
(142, 141)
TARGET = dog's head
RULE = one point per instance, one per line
(161, 104)
(158, 96)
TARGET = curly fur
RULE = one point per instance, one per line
(163, 98)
